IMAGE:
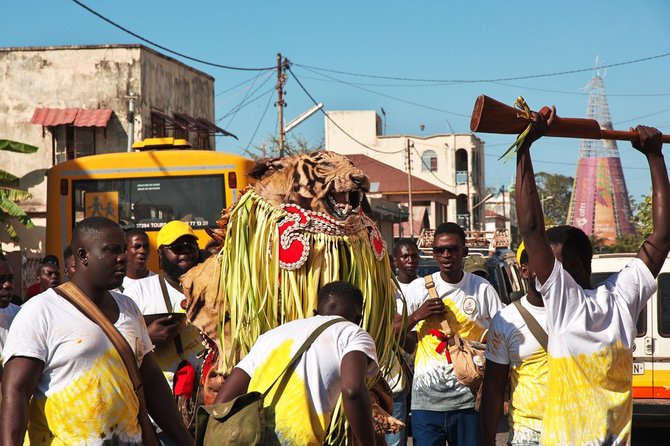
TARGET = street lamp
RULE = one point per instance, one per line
(543, 199)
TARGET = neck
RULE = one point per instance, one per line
(452, 277)
(404, 278)
(172, 281)
(97, 295)
(534, 297)
(137, 273)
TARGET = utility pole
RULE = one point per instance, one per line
(281, 80)
(502, 191)
(410, 145)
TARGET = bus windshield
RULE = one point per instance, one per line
(149, 203)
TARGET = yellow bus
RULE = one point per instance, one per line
(143, 190)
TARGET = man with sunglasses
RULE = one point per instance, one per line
(443, 408)
(7, 309)
(161, 300)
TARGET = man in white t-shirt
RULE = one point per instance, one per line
(138, 256)
(7, 309)
(513, 352)
(591, 332)
(406, 262)
(443, 408)
(337, 364)
(64, 381)
(178, 344)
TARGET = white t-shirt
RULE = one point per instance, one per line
(396, 381)
(7, 315)
(304, 409)
(127, 282)
(148, 296)
(473, 303)
(511, 342)
(591, 335)
(84, 394)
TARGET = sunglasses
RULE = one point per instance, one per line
(452, 249)
(183, 247)
(4, 278)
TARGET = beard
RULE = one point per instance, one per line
(174, 271)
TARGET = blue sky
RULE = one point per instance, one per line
(443, 40)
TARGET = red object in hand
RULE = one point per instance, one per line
(184, 379)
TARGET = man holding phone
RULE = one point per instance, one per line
(160, 299)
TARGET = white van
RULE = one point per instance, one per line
(651, 355)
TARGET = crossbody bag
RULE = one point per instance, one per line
(241, 421)
(466, 357)
(533, 325)
(81, 302)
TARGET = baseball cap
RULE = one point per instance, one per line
(521, 248)
(172, 231)
(475, 263)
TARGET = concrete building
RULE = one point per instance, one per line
(75, 101)
(453, 162)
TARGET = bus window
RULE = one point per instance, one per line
(149, 203)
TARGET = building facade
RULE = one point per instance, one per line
(453, 162)
(76, 101)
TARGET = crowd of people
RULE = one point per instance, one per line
(559, 358)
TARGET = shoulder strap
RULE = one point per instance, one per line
(432, 292)
(309, 341)
(533, 325)
(76, 297)
(170, 309)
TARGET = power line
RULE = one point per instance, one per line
(204, 62)
(428, 107)
(247, 94)
(235, 86)
(470, 81)
(577, 93)
(431, 172)
(335, 123)
(270, 96)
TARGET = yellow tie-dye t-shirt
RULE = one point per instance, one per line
(472, 304)
(84, 395)
(510, 342)
(301, 406)
(591, 335)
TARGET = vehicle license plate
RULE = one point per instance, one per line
(638, 368)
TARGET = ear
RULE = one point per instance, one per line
(266, 167)
(82, 256)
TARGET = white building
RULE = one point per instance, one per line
(453, 162)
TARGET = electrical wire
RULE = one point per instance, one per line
(243, 104)
(247, 94)
(335, 123)
(246, 150)
(176, 53)
(580, 93)
(428, 107)
(502, 79)
(235, 86)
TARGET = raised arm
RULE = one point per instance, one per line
(528, 206)
(654, 250)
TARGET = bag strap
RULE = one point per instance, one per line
(533, 325)
(432, 292)
(81, 302)
(308, 342)
(170, 309)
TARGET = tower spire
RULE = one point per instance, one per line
(599, 203)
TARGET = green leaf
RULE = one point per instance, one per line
(13, 210)
(15, 194)
(8, 178)
(19, 147)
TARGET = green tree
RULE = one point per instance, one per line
(11, 193)
(556, 191)
(293, 145)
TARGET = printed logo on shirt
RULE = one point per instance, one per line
(469, 305)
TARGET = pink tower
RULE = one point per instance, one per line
(599, 204)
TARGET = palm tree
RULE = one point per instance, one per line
(11, 193)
